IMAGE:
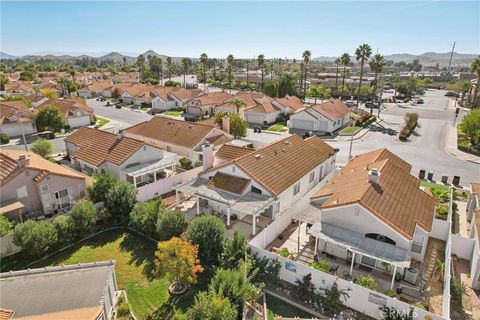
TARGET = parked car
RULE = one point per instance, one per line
(420, 101)
(118, 106)
(452, 94)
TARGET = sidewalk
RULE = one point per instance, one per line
(357, 136)
(451, 146)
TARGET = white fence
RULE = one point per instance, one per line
(361, 299)
(462, 247)
(7, 247)
(440, 229)
(166, 185)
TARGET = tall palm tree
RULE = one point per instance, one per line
(475, 67)
(261, 63)
(215, 62)
(247, 66)
(345, 62)
(237, 104)
(204, 62)
(376, 65)
(185, 65)
(306, 55)
(230, 59)
(363, 52)
(141, 65)
(337, 63)
(169, 68)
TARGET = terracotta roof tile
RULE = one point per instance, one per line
(230, 152)
(397, 200)
(67, 107)
(215, 98)
(332, 110)
(89, 313)
(280, 164)
(267, 107)
(475, 188)
(228, 183)
(6, 314)
(292, 102)
(9, 109)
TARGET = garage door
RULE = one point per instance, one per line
(303, 124)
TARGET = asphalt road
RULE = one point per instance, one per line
(426, 150)
(120, 118)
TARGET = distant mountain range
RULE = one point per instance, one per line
(427, 58)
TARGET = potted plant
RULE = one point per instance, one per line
(386, 268)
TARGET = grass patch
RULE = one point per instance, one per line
(433, 185)
(101, 122)
(175, 113)
(134, 256)
(349, 130)
(277, 307)
(278, 128)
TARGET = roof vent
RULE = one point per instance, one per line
(257, 156)
(284, 150)
(190, 126)
(374, 176)
(287, 142)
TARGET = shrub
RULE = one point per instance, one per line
(198, 163)
(120, 200)
(4, 138)
(42, 147)
(209, 233)
(321, 265)
(144, 217)
(389, 293)
(50, 118)
(186, 163)
(457, 289)
(65, 229)
(6, 226)
(367, 281)
(83, 216)
(170, 224)
(35, 237)
(104, 180)
(211, 305)
(284, 252)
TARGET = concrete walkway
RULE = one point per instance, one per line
(451, 146)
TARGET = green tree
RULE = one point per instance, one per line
(230, 60)
(332, 299)
(376, 65)
(270, 88)
(104, 181)
(471, 127)
(237, 104)
(338, 62)
(169, 67)
(35, 237)
(84, 216)
(462, 86)
(120, 200)
(211, 306)
(238, 126)
(261, 64)
(50, 118)
(6, 225)
(170, 224)
(209, 233)
(362, 53)
(141, 66)
(204, 62)
(42, 147)
(475, 67)
(319, 92)
(144, 217)
(65, 228)
(3, 81)
(306, 55)
(286, 85)
(185, 67)
(234, 250)
(345, 62)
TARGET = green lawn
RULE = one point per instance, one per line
(278, 128)
(134, 256)
(349, 130)
(175, 113)
(277, 307)
(432, 185)
(101, 122)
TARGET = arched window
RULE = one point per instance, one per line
(380, 237)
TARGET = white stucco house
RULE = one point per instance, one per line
(242, 183)
(16, 119)
(325, 117)
(373, 212)
(76, 112)
(126, 158)
(265, 113)
(173, 97)
(94, 89)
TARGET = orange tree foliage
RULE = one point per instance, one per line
(178, 258)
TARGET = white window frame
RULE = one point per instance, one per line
(296, 188)
(42, 187)
(22, 192)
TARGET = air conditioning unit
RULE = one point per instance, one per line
(411, 275)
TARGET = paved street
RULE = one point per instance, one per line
(427, 150)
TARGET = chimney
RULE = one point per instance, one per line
(120, 134)
(226, 124)
(23, 160)
(374, 176)
(207, 155)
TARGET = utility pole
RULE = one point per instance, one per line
(451, 56)
(351, 141)
(19, 115)
(380, 95)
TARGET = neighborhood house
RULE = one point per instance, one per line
(326, 117)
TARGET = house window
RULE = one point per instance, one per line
(81, 190)
(22, 192)
(381, 238)
(312, 176)
(256, 190)
(296, 188)
(44, 187)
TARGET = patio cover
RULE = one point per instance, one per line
(10, 205)
(356, 242)
(148, 167)
(249, 203)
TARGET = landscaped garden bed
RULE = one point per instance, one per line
(411, 122)
(278, 128)
(468, 133)
(348, 131)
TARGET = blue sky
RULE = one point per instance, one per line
(276, 29)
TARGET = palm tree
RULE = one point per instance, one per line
(215, 62)
(261, 63)
(376, 65)
(204, 62)
(169, 68)
(141, 65)
(363, 52)
(230, 66)
(306, 61)
(185, 65)
(237, 104)
(345, 62)
(247, 66)
(475, 67)
(337, 63)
